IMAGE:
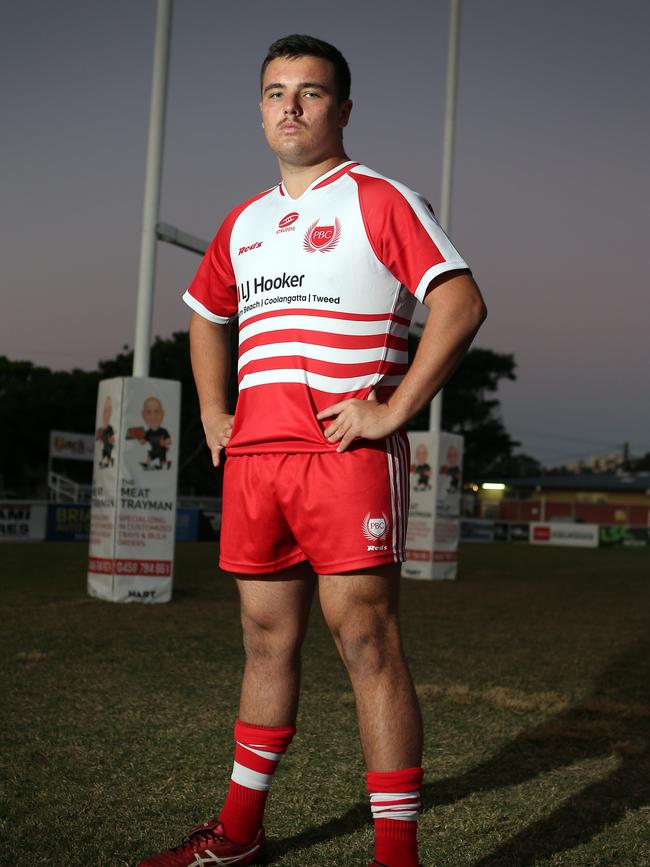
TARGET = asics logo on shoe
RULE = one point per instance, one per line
(208, 857)
(208, 846)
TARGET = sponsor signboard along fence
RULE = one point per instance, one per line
(564, 533)
(624, 537)
(22, 521)
(68, 522)
(72, 446)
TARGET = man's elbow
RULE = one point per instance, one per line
(477, 309)
(480, 311)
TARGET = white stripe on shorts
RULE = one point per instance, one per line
(398, 474)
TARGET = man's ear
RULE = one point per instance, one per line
(345, 109)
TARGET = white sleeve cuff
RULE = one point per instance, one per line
(197, 307)
(436, 271)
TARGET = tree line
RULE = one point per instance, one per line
(35, 400)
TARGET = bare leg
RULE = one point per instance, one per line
(274, 612)
(361, 611)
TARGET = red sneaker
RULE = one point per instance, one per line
(207, 846)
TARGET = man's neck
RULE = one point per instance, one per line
(296, 179)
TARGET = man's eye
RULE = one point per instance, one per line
(312, 93)
(274, 94)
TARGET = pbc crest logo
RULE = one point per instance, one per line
(322, 238)
(375, 530)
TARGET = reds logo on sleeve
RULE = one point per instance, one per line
(323, 238)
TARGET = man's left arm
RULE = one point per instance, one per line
(456, 311)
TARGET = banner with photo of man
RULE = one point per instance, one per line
(434, 514)
(133, 512)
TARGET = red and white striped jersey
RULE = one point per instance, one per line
(324, 287)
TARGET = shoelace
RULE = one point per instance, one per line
(203, 834)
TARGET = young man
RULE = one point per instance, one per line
(322, 271)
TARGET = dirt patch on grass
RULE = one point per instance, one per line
(497, 696)
(31, 656)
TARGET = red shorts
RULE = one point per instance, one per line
(340, 511)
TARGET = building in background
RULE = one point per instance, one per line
(605, 498)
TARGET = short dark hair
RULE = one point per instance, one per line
(299, 45)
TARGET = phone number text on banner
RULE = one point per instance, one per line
(121, 566)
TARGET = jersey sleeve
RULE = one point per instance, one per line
(213, 291)
(405, 235)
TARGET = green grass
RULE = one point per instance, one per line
(533, 670)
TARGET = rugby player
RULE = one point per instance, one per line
(322, 271)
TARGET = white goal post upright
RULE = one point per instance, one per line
(448, 136)
(142, 341)
(435, 477)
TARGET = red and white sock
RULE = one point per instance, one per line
(257, 753)
(395, 804)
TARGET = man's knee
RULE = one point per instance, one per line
(368, 646)
(270, 641)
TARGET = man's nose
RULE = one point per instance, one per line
(292, 105)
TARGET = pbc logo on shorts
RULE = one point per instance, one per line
(286, 223)
(375, 530)
(322, 238)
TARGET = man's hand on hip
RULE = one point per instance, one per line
(217, 427)
(354, 419)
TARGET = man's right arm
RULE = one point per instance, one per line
(210, 355)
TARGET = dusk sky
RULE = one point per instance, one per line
(550, 196)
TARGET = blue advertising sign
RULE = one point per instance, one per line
(187, 525)
(68, 522)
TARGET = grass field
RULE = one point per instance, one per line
(534, 675)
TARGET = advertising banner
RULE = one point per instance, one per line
(72, 446)
(434, 515)
(624, 536)
(22, 521)
(519, 532)
(68, 522)
(477, 530)
(133, 512)
(561, 533)
(187, 525)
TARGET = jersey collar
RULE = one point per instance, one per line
(323, 180)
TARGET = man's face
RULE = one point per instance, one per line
(152, 413)
(421, 453)
(301, 115)
(108, 409)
